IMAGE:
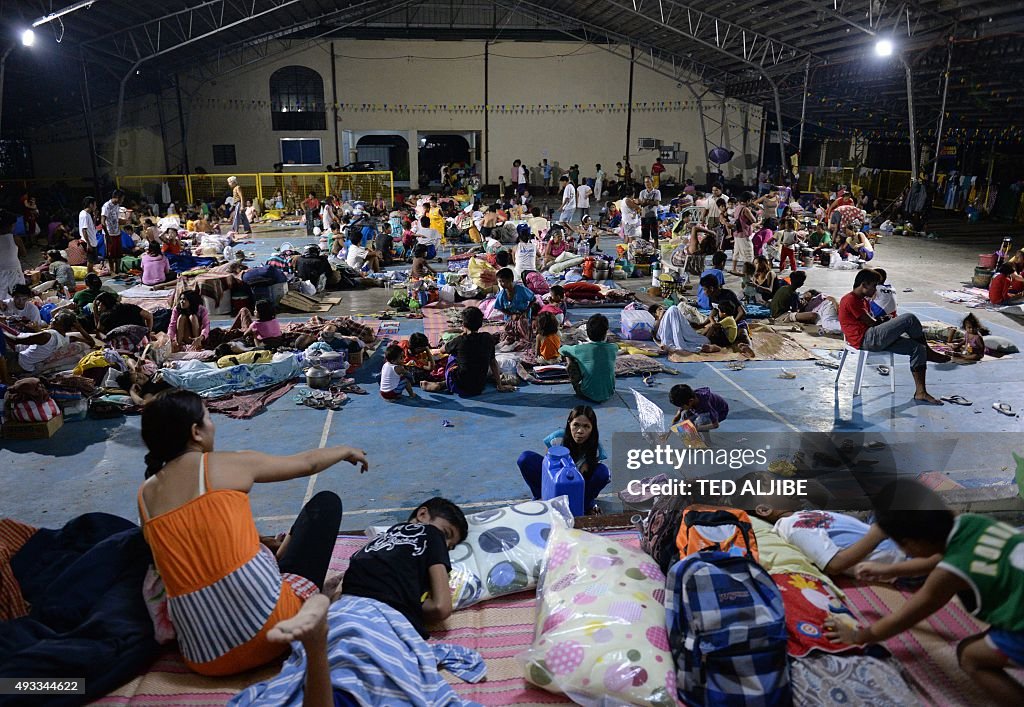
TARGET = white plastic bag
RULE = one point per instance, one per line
(652, 419)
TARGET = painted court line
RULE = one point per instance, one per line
(323, 443)
(757, 402)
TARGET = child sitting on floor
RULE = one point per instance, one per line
(418, 360)
(407, 567)
(470, 360)
(554, 303)
(703, 408)
(972, 348)
(393, 376)
(420, 267)
(723, 329)
(980, 563)
(591, 366)
(266, 330)
(548, 341)
(883, 304)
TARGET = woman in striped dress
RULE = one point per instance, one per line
(225, 589)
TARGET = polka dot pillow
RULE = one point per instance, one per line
(504, 550)
(600, 636)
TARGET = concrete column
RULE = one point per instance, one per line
(413, 137)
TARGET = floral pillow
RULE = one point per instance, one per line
(503, 551)
(600, 636)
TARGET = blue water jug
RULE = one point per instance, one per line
(560, 477)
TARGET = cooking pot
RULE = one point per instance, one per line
(318, 377)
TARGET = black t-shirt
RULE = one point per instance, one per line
(394, 568)
(474, 353)
(725, 295)
(124, 314)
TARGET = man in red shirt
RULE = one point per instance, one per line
(833, 217)
(656, 171)
(902, 335)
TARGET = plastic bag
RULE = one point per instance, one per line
(652, 419)
(637, 325)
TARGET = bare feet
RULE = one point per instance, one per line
(432, 387)
(309, 624)
(936, 357)
(927, 399)
(745, 350)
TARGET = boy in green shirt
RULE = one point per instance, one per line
(982, 562)
(591, 366)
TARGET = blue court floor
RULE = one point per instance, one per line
(97, 465)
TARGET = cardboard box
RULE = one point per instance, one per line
(33, 430)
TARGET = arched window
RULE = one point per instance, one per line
(297, 99)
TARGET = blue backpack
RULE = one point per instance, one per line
(727, 632)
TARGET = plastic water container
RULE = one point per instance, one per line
(560, 477)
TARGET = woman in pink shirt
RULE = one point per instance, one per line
(190, 322)
(155, 267)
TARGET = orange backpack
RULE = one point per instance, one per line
(716, 528)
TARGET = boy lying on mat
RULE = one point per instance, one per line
(982, 563)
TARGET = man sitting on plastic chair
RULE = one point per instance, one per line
(901, 335)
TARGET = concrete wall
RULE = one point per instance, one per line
(234, 109)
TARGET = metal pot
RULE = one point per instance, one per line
(318, 377)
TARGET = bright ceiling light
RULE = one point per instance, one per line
(883, 47)
(28, 38)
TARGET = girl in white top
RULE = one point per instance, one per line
(524, 254)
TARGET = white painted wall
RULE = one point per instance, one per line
(233, 108)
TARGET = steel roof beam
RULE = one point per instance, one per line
(733, 40)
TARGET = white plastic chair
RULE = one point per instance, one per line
(862, 360)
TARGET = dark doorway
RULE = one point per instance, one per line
(391, 151)
(436, 150)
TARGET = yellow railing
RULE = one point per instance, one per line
(288, 187)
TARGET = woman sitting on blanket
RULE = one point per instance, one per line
(190, 323)
(555, 246)
(674, 333)
(196, 517)
(516, 302)
(764, 280)
(582, 439)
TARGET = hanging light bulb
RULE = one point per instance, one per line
(884, 47)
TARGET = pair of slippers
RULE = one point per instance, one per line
(1004, 408)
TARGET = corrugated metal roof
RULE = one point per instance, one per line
(736, 47)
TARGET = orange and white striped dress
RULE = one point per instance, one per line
(224, 588)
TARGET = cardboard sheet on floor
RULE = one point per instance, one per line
(805, 338)
(768, 345)
(298, 302)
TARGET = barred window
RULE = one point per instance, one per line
(297, 99)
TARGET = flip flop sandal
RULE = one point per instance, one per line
(735, 366)
(957, 400)
(875, 446)
(649, 379)
(1004, 408)
(884, 370)
(827, 364)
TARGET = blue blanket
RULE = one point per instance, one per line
(184, 262)
(88, 618)
(377, 658)
(211, 382)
